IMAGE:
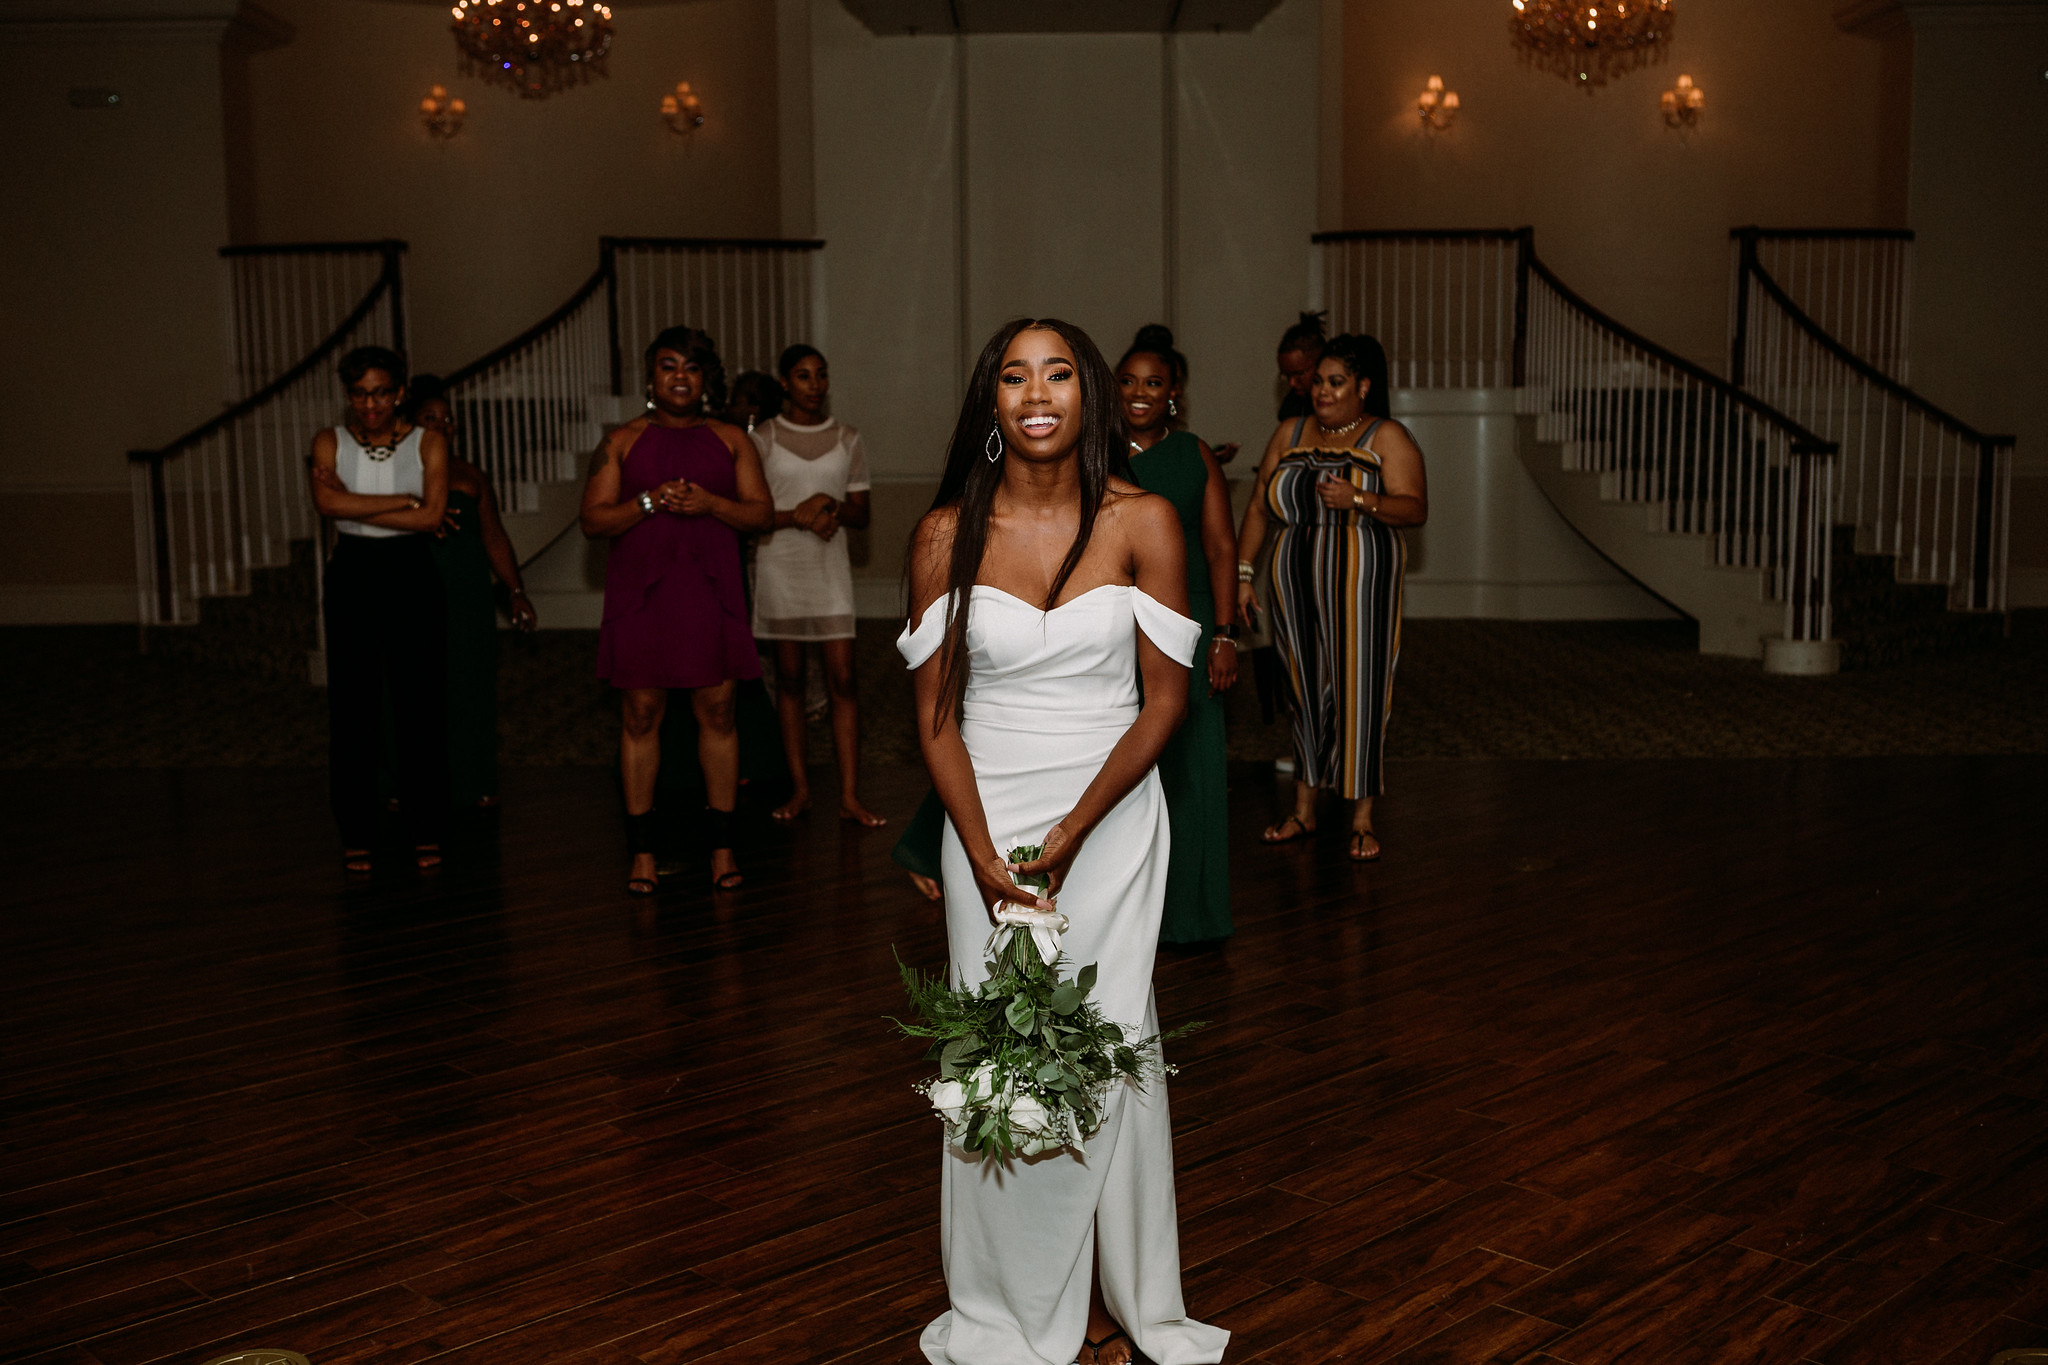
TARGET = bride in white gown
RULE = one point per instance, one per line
(1043, 589)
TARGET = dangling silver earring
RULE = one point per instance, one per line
(993, 446)
(1172, 408)
(650, 397)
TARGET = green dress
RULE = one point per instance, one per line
(1192, 767)
(472, 655)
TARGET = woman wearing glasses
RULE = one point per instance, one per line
(384, 482)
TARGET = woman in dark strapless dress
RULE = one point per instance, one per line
(673, 490)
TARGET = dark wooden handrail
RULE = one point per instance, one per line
(386, 246)
(385, 283)
(703, 243)
(535, 332)
(606, 277)
(1988, 446)
(1823, 234)
(1804, 442)
(1416, 234)
(1863, 368)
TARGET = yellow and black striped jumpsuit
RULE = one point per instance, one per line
(1336, 612)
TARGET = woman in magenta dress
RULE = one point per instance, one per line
(673, 490)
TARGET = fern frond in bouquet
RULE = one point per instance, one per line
(1025, 1060)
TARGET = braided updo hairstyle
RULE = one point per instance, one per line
(1366, 359)
(1305, 335)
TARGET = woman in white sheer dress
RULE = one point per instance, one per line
(1043, 590)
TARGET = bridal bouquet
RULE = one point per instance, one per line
(1025, 1062)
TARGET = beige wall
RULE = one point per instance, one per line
(1800, 129)
(1072, 220)
(1980, 208)
(113, 218)
(504, 219)
(110, 289)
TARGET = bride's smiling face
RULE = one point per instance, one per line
(1038, 396)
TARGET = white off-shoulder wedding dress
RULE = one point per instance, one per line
(1049, 693)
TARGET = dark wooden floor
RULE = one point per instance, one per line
(1675, 1062)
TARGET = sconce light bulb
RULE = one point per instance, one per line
(1451, 100)
(1436, 82)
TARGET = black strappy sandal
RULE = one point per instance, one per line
(355, 862)
(426, 857)
(640, 838)
(718, 832)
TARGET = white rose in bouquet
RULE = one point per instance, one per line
(1031, 1125)
(950, 1099)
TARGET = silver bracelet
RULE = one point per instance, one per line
(1224, 640)
(646, 501)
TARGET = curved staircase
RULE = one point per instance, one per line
(1814, 518)
(225, 527)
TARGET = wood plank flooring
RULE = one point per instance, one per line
(1688, 1062)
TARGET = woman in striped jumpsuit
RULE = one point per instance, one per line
(1339, 484)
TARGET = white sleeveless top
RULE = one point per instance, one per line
(803, 586)
(400, 474)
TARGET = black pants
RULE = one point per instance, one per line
(386, 629)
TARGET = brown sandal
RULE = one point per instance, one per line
(1095, 1345)
(1272, 834)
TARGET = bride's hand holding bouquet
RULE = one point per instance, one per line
(1026, 1061)
(992, 879)
(1049, 869)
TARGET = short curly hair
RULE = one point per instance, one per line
(696, 345)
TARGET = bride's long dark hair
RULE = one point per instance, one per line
(971, 479)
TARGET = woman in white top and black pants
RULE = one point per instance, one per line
(385, 484)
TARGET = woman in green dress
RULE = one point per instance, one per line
(472, 550)
(1181, 468)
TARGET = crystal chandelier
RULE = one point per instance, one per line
(1588, 42)
(537, 47)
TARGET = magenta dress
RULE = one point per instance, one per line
(675, 610)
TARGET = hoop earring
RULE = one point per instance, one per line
(1172, 408)
(993, 446)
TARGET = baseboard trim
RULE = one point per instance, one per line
(2026, 587)
(1422, 600)
(67, 605)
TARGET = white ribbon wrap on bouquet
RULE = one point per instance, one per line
(1046, 926)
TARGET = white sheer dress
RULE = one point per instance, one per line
(1049, 693)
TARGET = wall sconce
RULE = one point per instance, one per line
(683, 110)
(442, 115)
(1682, 104)
(1438, 106)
